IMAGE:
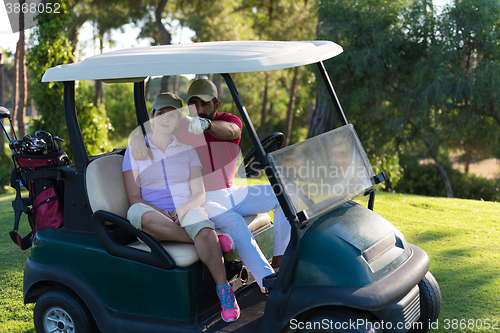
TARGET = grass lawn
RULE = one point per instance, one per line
(462, 238)
(14, 315)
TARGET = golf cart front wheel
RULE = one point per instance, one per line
(338, 320)
(430, 303)
(58, 311)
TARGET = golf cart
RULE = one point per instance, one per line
(345, 269)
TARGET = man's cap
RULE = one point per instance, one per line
(204, 89)
(167, 99)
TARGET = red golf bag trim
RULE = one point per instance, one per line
(41, 176)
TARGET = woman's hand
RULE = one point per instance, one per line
(139, 149)
(172, 215)
(179, 214)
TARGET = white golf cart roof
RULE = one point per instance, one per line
(137, 63)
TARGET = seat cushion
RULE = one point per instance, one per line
(106, 191)
(105, 185)
(184, 254)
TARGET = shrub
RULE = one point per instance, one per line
(425, 179)
(7, 165)
(120, 108)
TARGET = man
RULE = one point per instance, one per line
(226, 203)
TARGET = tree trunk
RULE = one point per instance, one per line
(176, 85)
(270, 121)
(75, 42)
(219, 83)
(15, 91)
(467, 157)
(2, 138)
(321, 119)
(166, 37)
(264, 109)
(291, 104)
(23, 84)
(444, 175)
(164, 87)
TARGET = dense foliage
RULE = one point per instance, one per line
(7, 165)
(424, 179)
(50, 46)
(415, 80)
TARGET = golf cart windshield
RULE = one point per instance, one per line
(323, 172)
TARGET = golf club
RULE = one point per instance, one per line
(15, 145)
(56, 142)
(39, 145)
(4, 113)
(43, 135)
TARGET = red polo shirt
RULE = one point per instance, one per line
(217, 156)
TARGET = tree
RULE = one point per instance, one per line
(50, 46)
(448, 93)
(281, 20)
(2, 138)
(471, 29)
(20, 81)
(105, 16)
(366, 76)
(165, 36)
(23, 81)
(422, 102)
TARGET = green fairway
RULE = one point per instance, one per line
(462, 238)
(14, 315)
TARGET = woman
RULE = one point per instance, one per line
(166, 193)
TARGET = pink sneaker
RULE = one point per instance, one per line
(230, 309)
(226, 242)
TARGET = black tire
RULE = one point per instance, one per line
(60, 311)
(338, 320)
(430, 302)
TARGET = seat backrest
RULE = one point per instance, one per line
(105, 185)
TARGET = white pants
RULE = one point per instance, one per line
(227, 206)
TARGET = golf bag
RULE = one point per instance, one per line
(41, 176)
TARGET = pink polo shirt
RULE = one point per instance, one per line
(217, 156)
(164, 181)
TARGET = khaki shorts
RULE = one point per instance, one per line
(194, 220)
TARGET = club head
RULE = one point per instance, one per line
(4, 113)
(15, 145)
(39, 143)
(42, 134)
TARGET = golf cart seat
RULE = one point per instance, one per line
(106, 192)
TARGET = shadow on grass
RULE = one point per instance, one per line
(467, 287)
(13, 258)
(427, 236)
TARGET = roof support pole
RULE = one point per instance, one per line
(277, 187)
(289, 258)
(74, 132)
(331, 91)
(140, 103)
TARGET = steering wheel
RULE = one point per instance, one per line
(252, 163)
